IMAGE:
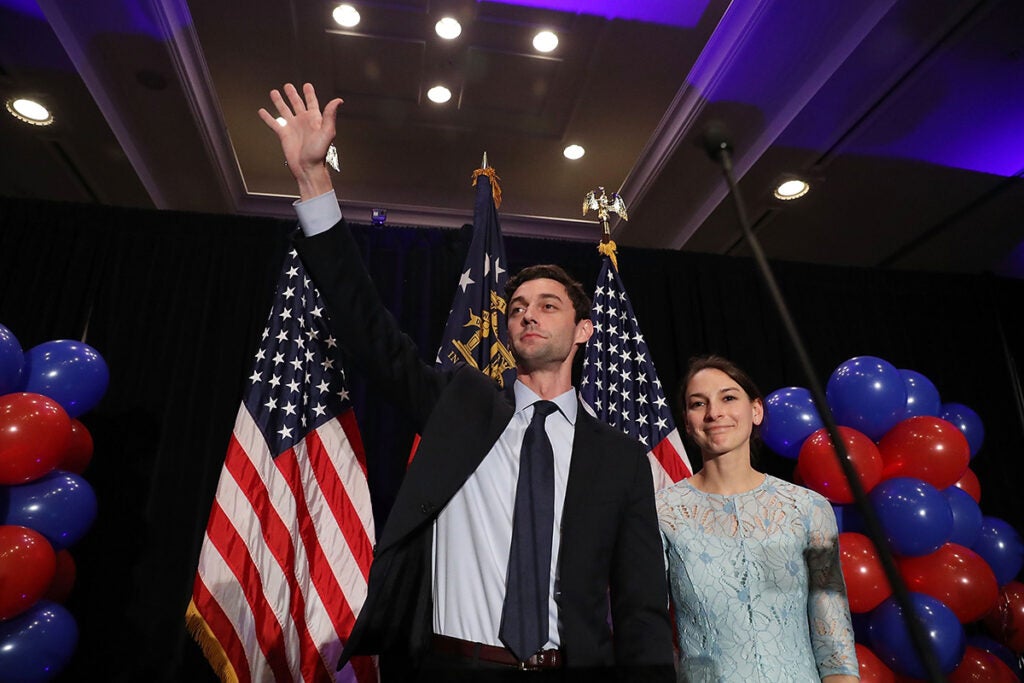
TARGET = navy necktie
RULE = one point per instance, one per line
(524, 617)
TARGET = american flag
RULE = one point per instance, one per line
(285, 559)
(477, 331)
(620, 385)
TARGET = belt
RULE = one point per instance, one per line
(545, 659)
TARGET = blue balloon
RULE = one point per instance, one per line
(867, 394)
(861, 623)
(891, 641)
(1000, 545)
(71, 373)
(59, 505)
(966, 516)
(790, 416)
(37, 644)
(914, 515)
(12, 362)
(922, 396)
(967, 421)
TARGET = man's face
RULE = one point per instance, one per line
(542, 325)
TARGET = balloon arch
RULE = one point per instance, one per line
(911, 454)
(46, 504)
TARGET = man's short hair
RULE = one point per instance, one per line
(577, 295)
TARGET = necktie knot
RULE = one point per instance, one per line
(541, 410)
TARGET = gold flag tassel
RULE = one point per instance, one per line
(210, 646)
(495, 187)
(607, 248)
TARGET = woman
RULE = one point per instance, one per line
(753, 560)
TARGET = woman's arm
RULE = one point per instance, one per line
(828, 609)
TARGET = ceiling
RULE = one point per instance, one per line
(907, 115)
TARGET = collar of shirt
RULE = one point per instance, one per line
(566, 402)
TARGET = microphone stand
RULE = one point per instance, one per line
(717, 145)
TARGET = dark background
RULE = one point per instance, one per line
(175, 303)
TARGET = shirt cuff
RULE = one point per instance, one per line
(318, 214)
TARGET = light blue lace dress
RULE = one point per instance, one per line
(756, 584)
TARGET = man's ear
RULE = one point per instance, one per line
(584, 330)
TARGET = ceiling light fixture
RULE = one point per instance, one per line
(791, 188)
(346, 15)
(574, 152)
(545, 41)
(448, 28)
(29, 111)
(439, 94)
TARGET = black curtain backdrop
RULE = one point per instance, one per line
(175, 304)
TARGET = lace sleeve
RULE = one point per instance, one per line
(828, 610)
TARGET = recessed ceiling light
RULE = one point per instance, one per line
(439, 94)
(792, 188)
(30, 111)
(448, 28)
(573, 152)
(346, 15)
(545, 41)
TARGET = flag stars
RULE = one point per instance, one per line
(320, 409)
(331, 342)
(278, 358)
(327, 364)
(255, 377)
(292, 272)
(323, 386)
(271, 404)
(465, 281)
(275, 381)
(293, 386)
(285, 431)
(282, 337)
(289, 408)
(289, 293)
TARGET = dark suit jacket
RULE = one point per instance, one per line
(611, 552)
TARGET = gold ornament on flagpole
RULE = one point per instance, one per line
(598, 200)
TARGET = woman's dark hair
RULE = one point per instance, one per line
(738, 375)
(577, 295)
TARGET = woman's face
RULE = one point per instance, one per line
(719, 415)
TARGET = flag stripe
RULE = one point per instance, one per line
(285, 560)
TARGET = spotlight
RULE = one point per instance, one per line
(791, 188)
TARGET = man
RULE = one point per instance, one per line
(447, 594)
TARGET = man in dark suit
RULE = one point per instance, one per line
(436, 604)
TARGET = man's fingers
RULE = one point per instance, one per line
(330, 115)
(298, 106)
(310, 93)
(279, 103)
(269, 119)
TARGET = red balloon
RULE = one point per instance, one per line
(63, 578)
(957, 576)
(926, 448)
(872, 670)
(1006, 621)
(78, 454)
(866, 583)
(969, 483)
(820, 470)
(34, 432)
(979, 666)
(27, 564)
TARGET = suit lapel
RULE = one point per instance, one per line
(451, 448)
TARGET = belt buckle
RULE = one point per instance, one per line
(523, 666)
